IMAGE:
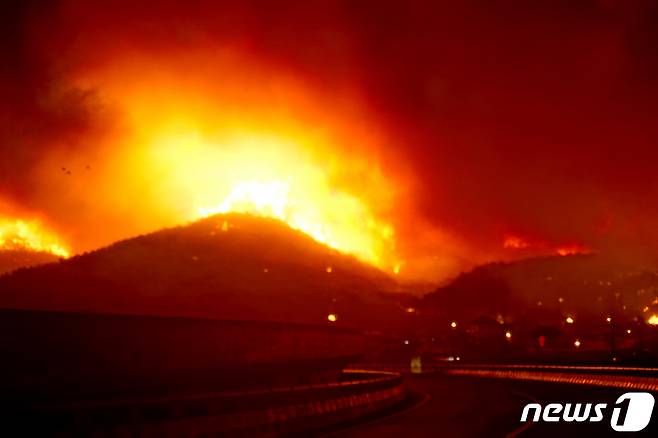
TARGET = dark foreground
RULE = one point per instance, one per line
(470, 407)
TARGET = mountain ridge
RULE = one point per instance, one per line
(229, 266)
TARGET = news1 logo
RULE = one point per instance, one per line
(631, 412)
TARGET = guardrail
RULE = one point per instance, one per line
(639, 378)
(273, 412)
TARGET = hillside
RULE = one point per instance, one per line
(226, 266)
(543, 289)
(14, 259)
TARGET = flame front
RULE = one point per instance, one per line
(515, 242)
(270, 177)
(268, 146)
(16, 234)
(335, 219)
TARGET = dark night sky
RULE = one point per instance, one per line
(535, 119)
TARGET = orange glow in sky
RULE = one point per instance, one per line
(191, 146)
(372, 130)
(178, 144)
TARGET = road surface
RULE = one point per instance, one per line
(451, 406)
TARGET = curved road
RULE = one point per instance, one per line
(452, 406)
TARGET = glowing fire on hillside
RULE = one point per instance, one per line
(514, 242)
(197, 148)
(338, 220)
(273, 178)
(187, 136)
(22, 235)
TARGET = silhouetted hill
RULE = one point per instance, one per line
(226, 266)
(543, 289)
(14, 259)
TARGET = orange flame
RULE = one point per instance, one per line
(572, 249)
(515, 242)
(201, 146)
(336, 219)
(17, 234)
(262, 179)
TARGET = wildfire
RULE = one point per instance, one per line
(653, 320)
(335, 219)
(515, 242)
(193, 156)
(571, 250)
(271, 178)
(518, 243)
(16, 234)
(209, 140)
